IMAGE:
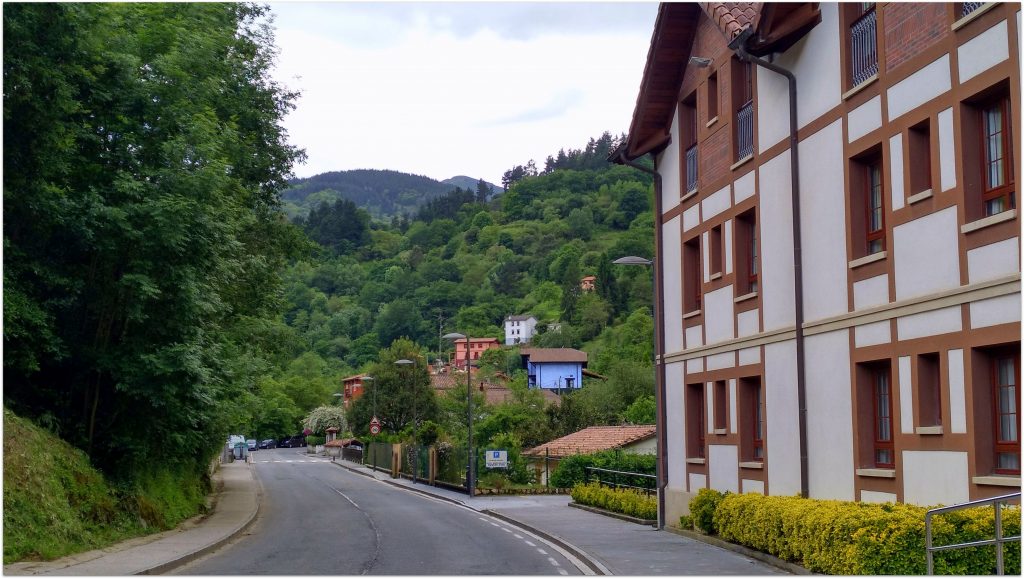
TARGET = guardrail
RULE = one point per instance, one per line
(997, 541)
(600, 475)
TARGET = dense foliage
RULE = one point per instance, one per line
(143, 155)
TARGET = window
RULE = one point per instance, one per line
(919, 152)
(713, 96)
(997, 151)
(863, 41)
(875, 422)
(695, 425)
(884, 454)
(1005, 376)
(752, 419)
(989, 186)
(743, 104)
(746, 253)
(867, 210)
(691, 275)
(715, 250)
(929, 390)
(688, 126)
(721, 402)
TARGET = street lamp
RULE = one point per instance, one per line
(469, 413)
(415, 417)
(659, 398)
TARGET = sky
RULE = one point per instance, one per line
(456, 88)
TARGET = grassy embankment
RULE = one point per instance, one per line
(56, 504)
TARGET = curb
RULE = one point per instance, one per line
(614, 515)
(772, 560)
(586, 558)
(171, 565)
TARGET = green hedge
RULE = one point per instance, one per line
(850, 538)
(626, 501)
(572, 471)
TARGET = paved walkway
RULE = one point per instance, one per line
(607, 545)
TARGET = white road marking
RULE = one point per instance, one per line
(553, 562)
(517, 535)
(506, 530)
(562, 572)
(542, 551)
(529, 543)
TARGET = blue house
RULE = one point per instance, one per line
(559, 369)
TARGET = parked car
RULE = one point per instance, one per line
(268, 443)
(251, 443)
(297, 441)
(284, 443)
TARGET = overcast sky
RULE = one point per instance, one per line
(457, 88)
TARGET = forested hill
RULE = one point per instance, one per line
(381, 193)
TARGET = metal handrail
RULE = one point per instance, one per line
(997, 541)
(617, 484)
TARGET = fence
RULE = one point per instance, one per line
(997, 503)
(622, 479)
(378, 455)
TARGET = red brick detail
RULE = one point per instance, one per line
(715, 156)
(910, 28)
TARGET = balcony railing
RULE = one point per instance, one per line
(968, 7)
(864, 47)
(745, 131)
(691, 168)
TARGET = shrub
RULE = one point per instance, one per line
(312, 441)
(702, 509)
(626, 501)
(850, 538)
(686, 522)
(572, 471)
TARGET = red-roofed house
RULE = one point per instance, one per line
(559, 369)
(352, 388)
(631, 439)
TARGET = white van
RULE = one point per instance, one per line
(235, 439)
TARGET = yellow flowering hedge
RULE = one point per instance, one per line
(851, 538)
(625, 501)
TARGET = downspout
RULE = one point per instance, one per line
(738, 45)
(659, 338)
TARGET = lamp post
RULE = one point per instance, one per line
(415, 417)
(659, 396)
(469, 413)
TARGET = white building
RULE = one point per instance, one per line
(519, 329)
(885, 367)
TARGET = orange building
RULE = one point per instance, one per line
(352, 388)
(477, 346)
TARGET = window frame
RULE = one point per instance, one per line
(747, 255)
(1000, 446)
(693, 274)
(881, 444)
(873, 167)
(855, 13)
(696, 419)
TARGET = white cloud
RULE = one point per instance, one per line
(448, 89)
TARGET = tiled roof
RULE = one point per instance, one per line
(593, 439)
(554, 355)
(732, 17)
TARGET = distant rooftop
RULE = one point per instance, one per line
(593, 439)
(554, 355)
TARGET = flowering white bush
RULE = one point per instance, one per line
(324, 417)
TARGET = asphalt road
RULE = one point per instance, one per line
(318, 519)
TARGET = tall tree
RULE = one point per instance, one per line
(143, 155)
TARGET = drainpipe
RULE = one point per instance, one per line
(738, 45)
(659, 339)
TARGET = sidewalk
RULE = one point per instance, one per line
(608, 546)
(236, 506)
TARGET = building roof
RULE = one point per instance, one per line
(355, 377)
(593, 439)
(477, 340)
(521, 318)
(776, 26)
(542, 355)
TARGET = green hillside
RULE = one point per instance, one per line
(56, 503)
(381, 193)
